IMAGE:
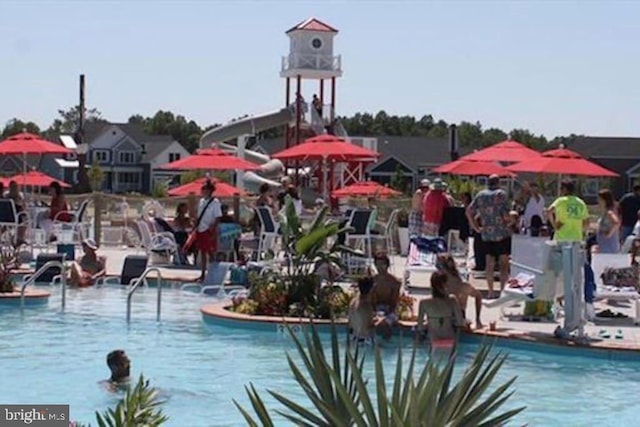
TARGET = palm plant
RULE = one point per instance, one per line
(139, 407)
(339, 394)
(306, 248)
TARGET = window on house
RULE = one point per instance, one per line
(101, 156)
(127, 157)
(129, 177)
(174, 157)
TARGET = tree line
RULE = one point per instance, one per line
(188, 132)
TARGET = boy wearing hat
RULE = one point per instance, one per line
(89, 268)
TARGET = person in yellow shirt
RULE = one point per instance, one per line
(568, 214)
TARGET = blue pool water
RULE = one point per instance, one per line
(49, 357)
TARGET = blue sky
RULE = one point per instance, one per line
(552, 67)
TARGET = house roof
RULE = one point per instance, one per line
(416, 151)
(154, 145)
(313, 24)
(621, 166)
(610, 147)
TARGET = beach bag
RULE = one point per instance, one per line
(622, 277)
(239, 275)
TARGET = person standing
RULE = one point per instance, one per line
(209, 213)
(433, 206)
(568, 214)
(533, 210)
(415, 217)
(491, 207)
(608, 234)
(628, 208)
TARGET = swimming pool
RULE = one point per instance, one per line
(59, 358)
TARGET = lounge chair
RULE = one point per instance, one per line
(51, 275)
(133, 267)
(216, 282)
(601, 261)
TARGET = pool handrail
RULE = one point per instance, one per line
(40, 272)
(136, 283)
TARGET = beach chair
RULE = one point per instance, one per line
(75, 230)
(422, 255)
(604, 292)
(268, 232)
(51, 275)
(132, 268)
(387, 236)
(228, 234)
(216, 282)
(10, 220)
(157, 244)
(359, 239)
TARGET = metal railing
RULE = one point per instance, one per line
(312, 61)
(32, 279)
(136, 283)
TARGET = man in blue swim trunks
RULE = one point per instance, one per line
(385, 295)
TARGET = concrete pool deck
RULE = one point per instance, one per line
(510, 325)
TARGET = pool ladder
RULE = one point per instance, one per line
(39, 272)
(141, 280)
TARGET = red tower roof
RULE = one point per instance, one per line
(313, 24)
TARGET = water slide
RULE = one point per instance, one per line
(248, 126)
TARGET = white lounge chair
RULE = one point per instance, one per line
(601, 261)
(215, 283)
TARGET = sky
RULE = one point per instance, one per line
(554, 67)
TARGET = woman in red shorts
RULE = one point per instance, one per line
(206, 238)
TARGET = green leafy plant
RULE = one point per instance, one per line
(8, 263)
(425, 395)
(160, 190)
(95, 176)
(139, 407)
(305, 249)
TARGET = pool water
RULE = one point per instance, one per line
(49, 357)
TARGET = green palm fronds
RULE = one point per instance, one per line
(138, 408)
(421, 396)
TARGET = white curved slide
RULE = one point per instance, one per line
(248, 126)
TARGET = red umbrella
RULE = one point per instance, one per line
(211, 159)
(506, 151)
(222, 189)
(35, 179)
(562, 162)
(326, 147)
(469, 168)
(365, 189)
(28, 143)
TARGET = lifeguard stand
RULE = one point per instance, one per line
(311, 57)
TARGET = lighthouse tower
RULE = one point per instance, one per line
(311, 57)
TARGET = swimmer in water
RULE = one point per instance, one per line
(119, 364)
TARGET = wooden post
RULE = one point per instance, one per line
(97, 216)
